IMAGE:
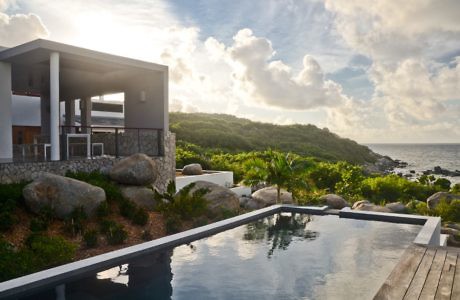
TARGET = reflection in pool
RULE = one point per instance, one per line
(279, 257)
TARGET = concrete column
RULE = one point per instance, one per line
(54, 106)
(85, 112)
(45, 114)
(70, 115)
(6, 124)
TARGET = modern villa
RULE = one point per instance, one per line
(59, 75)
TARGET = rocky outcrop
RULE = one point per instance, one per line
(248, 203)
(140, 195)
(334, 201)
(192, 169)
(63, 195)
(137, 169)
(219, 198)
(383, 164)
(396, 207)
(359, 203)
(434, 199)
(367, 206)
(267, 196)
(440, 171)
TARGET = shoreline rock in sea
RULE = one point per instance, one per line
(383, 165)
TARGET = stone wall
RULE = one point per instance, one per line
(19, 171)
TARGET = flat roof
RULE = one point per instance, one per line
(39, 50)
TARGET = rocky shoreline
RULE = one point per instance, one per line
(386, 165)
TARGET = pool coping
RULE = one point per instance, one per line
(430, 234)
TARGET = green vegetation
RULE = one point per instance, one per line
(114, 233)
(229, 134)
(39, 252)
(90, 238)
(182, 206)
(10, 197)
(275, 168)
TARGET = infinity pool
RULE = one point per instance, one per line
(283, 256)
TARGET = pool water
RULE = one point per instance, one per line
(279, 257)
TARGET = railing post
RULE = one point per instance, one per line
(116, 143)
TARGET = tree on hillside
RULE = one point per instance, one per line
(275, 168)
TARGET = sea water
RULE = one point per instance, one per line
(422, 157)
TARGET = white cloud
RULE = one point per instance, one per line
(259, 80)
(20, 28)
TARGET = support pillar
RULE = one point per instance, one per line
(85, 113)
(54, 106)
(6, 123)
(70, 115)
(45, 116)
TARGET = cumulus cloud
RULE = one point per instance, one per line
(391, 29)
(19, 28)
(261, 80)
(413, 90)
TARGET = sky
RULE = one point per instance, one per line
(376, 71)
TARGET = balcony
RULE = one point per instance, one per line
(78, 142)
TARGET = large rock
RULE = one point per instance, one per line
(192, 169)
(267, 196)
(367, 206)
(219, 198)
(63, 195)
(140, 195)
(249, 203)
(434, 199)
(138, 169)
(359, 203)
(334, 201)
(396, 207)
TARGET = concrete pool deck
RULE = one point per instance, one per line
(429, 235)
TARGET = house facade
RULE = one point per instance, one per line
(58, 76)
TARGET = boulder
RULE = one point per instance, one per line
(142, 196)
(63, 195)
(396, 207)
(373, 207)
(137, 169)
(359, 203)
(267, 196)
(434, 199)
(192, 169)
(219, 198)
(334, 201)
(248, 203)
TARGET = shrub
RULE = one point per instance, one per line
(74, 224)
(7, 216)
(146, 235)
(443, 184)
(449, 212)
(127, 209)
(455, 189)
(96, 178)
(140, 217)
(393, 188)
(103, 210)
(114, 232)
(10, 197)
(90, 238)
(50, 250)
(42, 221)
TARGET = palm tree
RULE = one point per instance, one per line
(274, 168)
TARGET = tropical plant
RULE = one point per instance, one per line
(275, 168)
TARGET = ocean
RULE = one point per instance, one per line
(422, 157)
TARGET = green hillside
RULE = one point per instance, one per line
(232, 134)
